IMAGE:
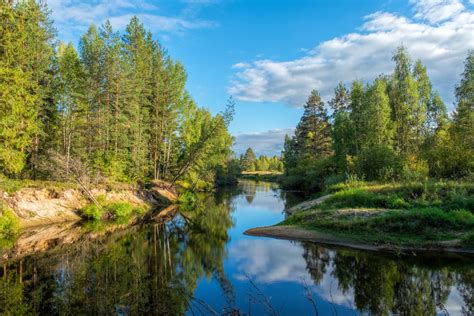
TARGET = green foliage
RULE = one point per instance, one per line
(120, 209)
(378, 163)
(92, 212)
(447, 196)
(9, 223)
(118, 107)
(188, 199)
(250, 163)
(396, 128)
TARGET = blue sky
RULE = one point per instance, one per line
(270, 54)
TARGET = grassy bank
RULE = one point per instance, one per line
(268, 176)
(415, 214)
(111, 210)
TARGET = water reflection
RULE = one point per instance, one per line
(200, 263)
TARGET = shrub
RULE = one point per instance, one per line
(120, 209)
(91, 211)
(187, 198)
(378, 163)
(9, 223)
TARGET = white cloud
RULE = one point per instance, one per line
(269, 260)
(440, 34)
(73, 17)
(437, 10)
(268, 143)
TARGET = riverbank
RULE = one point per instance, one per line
(35, 203)
(402, 217)
(268, 176)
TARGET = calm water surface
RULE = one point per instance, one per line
(200, 263)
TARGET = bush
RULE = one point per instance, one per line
(120, 209)
(9, 223)
(378, 163)
(92, 212)
(187, 198)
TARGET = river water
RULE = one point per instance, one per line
(201, 263)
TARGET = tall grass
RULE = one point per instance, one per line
(446, 196)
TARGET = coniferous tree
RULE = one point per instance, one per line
(18, 92)
(72, 107)
(138, 62)
(92, 57)
(313, 133)
(247, 161)
(341, 100)
(37, 57)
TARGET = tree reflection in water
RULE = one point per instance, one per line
(386, 285)
(155, 269)
(150, 269)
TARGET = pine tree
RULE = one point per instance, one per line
(18, 92)
(139, 61)
(313, 133)
(248, 160)
(114, 156)
(92, 57)
(341, 100)
(72, 106)
(36, 56)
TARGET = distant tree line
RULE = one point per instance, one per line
(250, 162)
(395, 128)
(119, 104)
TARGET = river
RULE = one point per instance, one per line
(201, 263)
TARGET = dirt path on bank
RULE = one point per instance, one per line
(301, 234)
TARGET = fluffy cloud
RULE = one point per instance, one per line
(72, 17)
(440, 33)
(264, 143)
(269, 260)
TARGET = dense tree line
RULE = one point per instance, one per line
(392, 129)
(118, 104)
(249, 162)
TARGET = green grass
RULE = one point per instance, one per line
(115, 210)
(91, 212)
(447, 196)
(396, 213)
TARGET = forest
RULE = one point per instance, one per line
(116, 109)
(250, 163)
(394, 129)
